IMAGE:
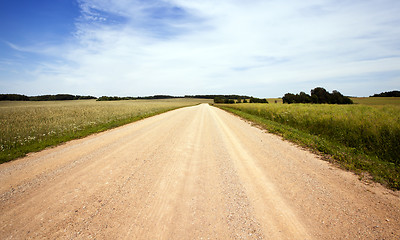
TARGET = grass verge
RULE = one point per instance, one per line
(33, 126)
(350, 158)
(36, 146)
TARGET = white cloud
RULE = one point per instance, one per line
(260, 48)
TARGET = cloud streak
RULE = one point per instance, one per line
(260, 48)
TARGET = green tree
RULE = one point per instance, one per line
(320, 95)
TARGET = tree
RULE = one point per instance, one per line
(13, 97)
(258, 100)
(388, 94)
(218, 100)
(304, 98)
(338, 98)
(229, 101)
(289, 98)
(320, 95)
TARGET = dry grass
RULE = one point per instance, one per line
(31, 126)
(376, 101)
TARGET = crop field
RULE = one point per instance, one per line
(32, 126)
(361, 137)
(376, 101)
(274, 100)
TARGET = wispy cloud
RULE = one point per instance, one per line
(261, 48)
(15, 47)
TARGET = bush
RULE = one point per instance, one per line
(318, 95)
(229, 101)
(218, 100)
(388, 94)
(13, 97)
(258, 100)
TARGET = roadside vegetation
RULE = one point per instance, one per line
(360, 137)
(27, 126)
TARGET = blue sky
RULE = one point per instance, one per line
(263, 48)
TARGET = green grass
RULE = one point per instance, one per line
(32, 126)
(359, 137)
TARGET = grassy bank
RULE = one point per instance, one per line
(32, 126)
(359, 137)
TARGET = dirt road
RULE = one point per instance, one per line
(193, 173)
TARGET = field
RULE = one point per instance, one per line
(363, 137)
(32, 126)
(197, 172)
(274, 100)
(376, 101)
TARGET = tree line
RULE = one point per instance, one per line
(115, 98)
(388, 94)
(58, 97)
(224, 97)
(318, 95)
(231, 96)
(239, 99)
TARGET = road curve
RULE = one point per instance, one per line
(193, 173)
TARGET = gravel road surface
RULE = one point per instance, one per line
(193, 173)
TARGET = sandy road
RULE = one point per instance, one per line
(193, 173)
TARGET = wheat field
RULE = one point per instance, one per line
(31, 126)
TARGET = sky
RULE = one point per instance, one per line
(262, 48)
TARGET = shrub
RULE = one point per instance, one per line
(318, 95)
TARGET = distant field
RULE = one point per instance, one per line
(362, 136)
(32, 126)
(377, 100)
(274, 100)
